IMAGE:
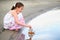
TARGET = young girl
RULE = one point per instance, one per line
(14, 19)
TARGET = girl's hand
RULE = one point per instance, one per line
(29, 26)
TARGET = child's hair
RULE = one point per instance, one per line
(18, 4)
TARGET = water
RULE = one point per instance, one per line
(46, 26)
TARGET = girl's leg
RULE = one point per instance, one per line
(16, 29)
(12, 28)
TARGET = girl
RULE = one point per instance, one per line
(14, 20)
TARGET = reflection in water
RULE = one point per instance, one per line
(31, 33)
(46, 26)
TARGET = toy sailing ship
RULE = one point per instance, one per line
(30, 33)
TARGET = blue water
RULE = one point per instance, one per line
(52, 32)
(46, 26)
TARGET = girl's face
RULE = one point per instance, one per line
(20, 9)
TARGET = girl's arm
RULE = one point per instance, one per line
(18, 22)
